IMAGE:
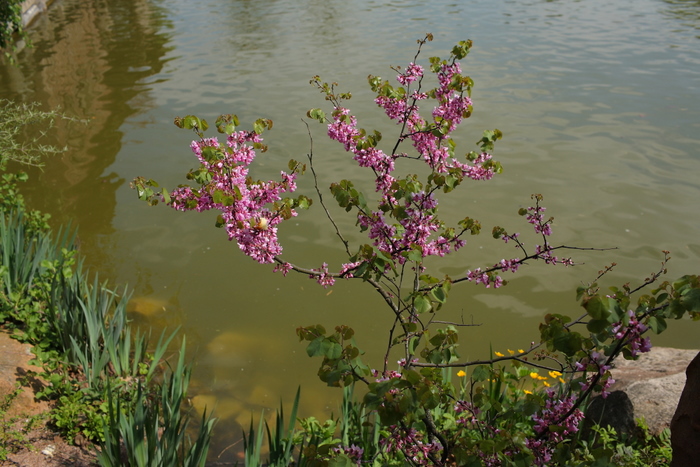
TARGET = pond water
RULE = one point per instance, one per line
(599, 102)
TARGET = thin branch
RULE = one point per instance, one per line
(462, 324)
(411, 107)
(523, 260)
(318, 191)
(655, 275)
(389, 346)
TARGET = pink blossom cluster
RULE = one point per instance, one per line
(386, 376)
(413, 72)
(535, 216)
(346, 269)
(343, 129)
(545, 253)
(597, 363)
(632, 332)
(506, 238)
(402, 362)
(467, 413)
(452, 106)
(478, 276)
(323, 277)
(555, 408)
(417, 227)
(467, 416)
(353, 452)
(242, 202)
(283, 267)
(488, 280)
(411, 443)
(511, 265)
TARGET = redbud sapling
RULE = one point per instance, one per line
(403, 229)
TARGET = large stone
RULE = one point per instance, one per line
(656, 400)
(685, 426)
(659, 362)
(615, 411)
(654, 383)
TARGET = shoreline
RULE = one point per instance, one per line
(33, 8)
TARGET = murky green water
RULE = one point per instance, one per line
(599, 102)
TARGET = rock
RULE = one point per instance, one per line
(659, 362)
(656, 399)
(685, 425)
(615, 411)
(654, 383)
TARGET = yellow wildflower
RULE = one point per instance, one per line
(526, 391)
(511, 351)
(562, 381)
(534, 375)
(521, 351)
(554, 374)
(499, 354)
(461, 373)
(546, 383)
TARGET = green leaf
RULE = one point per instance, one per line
(226, 124)
(332, 350)
(691, 300)
(317, 114)
(261, 124)
(657, 324)
(428, 279)
(481, 373)
(598, 307)
(597, 325)
(422, 304)
(412, 376)
(439, 294)
(415, 255)
(413, 344)
(341, 460)
(568, 343)
(315, 347)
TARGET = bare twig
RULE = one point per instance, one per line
(318, 191)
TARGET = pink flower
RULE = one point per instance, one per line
(324, 278)
(284, 268)
(413, 73)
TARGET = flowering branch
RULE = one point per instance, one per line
(404, 229)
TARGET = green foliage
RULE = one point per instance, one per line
(10, 24)
(89, 355)
(152, 430)
(11, 200)
(280, 440)
(642, 449)
(24, 127)
(341, 365)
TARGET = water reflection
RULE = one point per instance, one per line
(88, 59)
(686, 11)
